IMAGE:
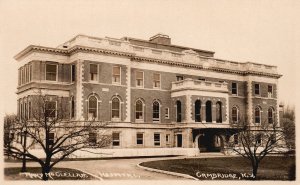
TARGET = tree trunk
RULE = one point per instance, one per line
(45, 172)
(254, 170)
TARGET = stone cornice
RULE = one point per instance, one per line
(132, 56)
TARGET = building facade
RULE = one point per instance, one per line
(154, 95)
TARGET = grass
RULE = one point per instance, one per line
(271, 167)
(57, 174)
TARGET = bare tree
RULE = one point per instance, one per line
(9, 125)
(288, 123)
(256, 142)
(48, 127)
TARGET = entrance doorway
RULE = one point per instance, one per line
(210, 142)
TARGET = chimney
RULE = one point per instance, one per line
(160, 39)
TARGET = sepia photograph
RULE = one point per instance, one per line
(132, 91)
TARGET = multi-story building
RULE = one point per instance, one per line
(154, 95)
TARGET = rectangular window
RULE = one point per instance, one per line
(156, 80)
(93, 72)
(234, 88)
(179, 78)
(92, 138)
(167, 113)
(116, 139)
(51, 139)
(116, 79)
(73, 73)
(168, 138)
(270, 91)
(51, 72)
(256, 89)
(139, 78)
(139, 138)
(156, 139)
(258, 139)
(50, 109)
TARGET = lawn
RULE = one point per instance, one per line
(34, 173)
(229, 168)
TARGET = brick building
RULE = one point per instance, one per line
(158, 98)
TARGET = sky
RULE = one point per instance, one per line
(248, 30)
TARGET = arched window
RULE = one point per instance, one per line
(208, 111)
(257, 115)
(115, 109)
(156, 111)
(235, 115)
(178, 111)
(92, 107)
(72, 107)
(219, 112)
(198, 111)
(139, 110)
(271, 115)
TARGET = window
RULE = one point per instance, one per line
(219, 112)
(235, 114)
(167, 113)
(50, 109)
(139, 138)
(156, 139)
(72, 107)
(257, 115)
(92, 107)
(73, 73)
(178, 111)
(236, 139)
(156, 111)
(29, 110)
(115, 109)
(179, 78)
(25, 111)
(208, 111)
(270, 115)
(198, 111)
(139, 110)
(93, 72)
(139, 77)
(116, 139)
(234, 88)
(92, 138)
(116, 79)
(168, 138)
(270, 91)
(51, 139)
(156, 80)
(256, 89)
(51, 72)
(258, 139)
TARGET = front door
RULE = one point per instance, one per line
(179, 140)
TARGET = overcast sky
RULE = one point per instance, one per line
(256, 31)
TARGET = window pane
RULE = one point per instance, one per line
(116, 70)
(51, 68)
(139, 75)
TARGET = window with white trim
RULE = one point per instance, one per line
(93, 72)
(156, 111)
(115, 109)
(50, 109)
(257, 114)
(92, 107)
(156, 80)
(140, 138)
(139, 78)
(271, 115)
(139, 110)
(51, 72)
(256, 89)
(73, 73)
(234, 88)
(235, 115)
(179, 78)
(116, 77)
(270, 91)
(116, 139)
(168, 137)
(167, 113)
(156, 139)
(72, 107)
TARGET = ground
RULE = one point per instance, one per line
(120, 169)
(271, 168)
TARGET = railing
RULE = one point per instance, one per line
(199, 85)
